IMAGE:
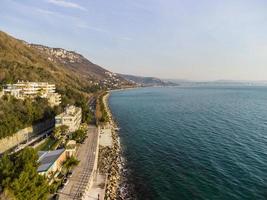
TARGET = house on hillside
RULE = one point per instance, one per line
(51, 161)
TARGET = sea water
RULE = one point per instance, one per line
(194, 142)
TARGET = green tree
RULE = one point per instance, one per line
(70, 163)
(19, 176)
(59, 132)
(56, 134)
(79, 135)
(17, 114)
(64, 129)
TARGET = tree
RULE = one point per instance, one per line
(56, 134)
(79, 135)
(59, 132)
(64, 129)
(70, 163)
(16, 114)
(87, 114)
(19, 176)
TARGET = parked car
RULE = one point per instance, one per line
(60, 187)
(65, 181)
(55, 197)
(70, 174)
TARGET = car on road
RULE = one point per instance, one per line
(55, 197)
(60, 188)
(70, 174)
(65, 181)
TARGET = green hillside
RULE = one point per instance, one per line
(20, 62)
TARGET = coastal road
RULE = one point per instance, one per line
(82, 173)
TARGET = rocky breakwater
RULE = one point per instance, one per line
(112, 164)
(110, 159)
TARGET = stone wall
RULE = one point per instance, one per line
(24, 134)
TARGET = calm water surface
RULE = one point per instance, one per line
(195, 142)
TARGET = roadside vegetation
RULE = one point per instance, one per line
(80, 135)
(47, 145)
(101, 113)
(60, 132)
(70, 163)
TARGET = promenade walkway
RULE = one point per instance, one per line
(84, 171)
(97, 189)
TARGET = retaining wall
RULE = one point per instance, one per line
(25, 134)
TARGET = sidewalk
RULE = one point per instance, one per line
(98, 188)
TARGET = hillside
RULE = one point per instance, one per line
(82, 66)
(73, 77)
(20, 62)
(147, 81)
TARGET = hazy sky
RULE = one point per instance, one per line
(184, 39)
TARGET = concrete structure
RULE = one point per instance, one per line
(98, 188)
(26, 135)
(51, 161)
(22, 90)
(105, 138)
(71, 117)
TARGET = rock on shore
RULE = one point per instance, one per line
(110, 162)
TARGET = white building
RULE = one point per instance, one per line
(54, 99)
(71, 117)
(22, 90)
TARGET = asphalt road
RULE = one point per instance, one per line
(81, 174)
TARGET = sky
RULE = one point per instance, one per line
(178, 39)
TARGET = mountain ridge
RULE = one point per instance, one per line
(81, 65)
(147, 81)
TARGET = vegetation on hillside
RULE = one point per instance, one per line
(18, 61)
(19, 178)
(17, 114)
(21, 62)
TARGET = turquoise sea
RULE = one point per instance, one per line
(194, 142)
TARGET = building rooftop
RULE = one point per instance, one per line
(47, 159)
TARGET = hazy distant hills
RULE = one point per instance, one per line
(182, 82)
(147, 81)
